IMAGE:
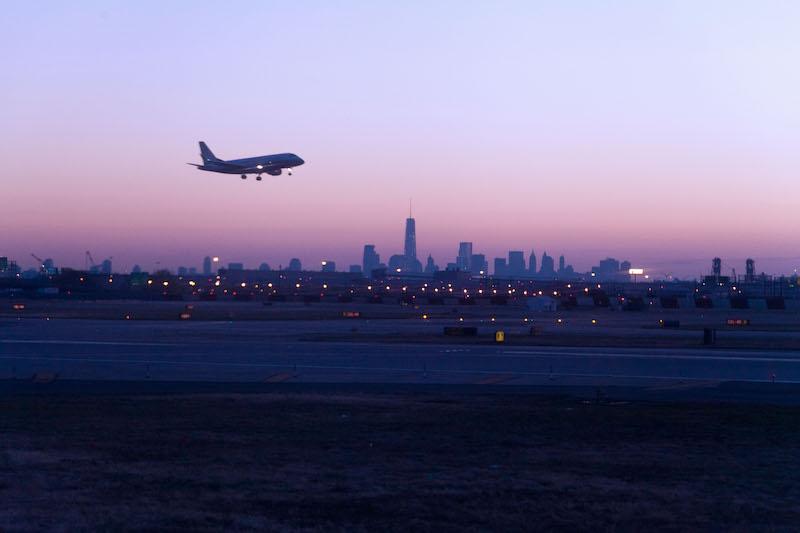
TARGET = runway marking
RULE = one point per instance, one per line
(89, 343)
(279, 350)
(393, 369)
(682, 385)
(558, 350)
(495, 380)
(698, 357)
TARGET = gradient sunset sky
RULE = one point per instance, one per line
(661, 132)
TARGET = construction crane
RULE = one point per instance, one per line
(40, 261)
(89, 260)
(91, 266)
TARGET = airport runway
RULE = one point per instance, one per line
(270, 352)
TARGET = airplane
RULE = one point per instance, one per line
(271, 164)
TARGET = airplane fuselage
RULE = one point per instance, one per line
(266, 164)
(253, 165)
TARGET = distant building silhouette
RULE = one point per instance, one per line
(500, 268)
(716, 267)
(295, 265)
(329, 266)
(183, 271)
(561, 264)
(516, 264)
(410, 248)
(404, 264)
(105, 266)
(611, 269)
(407, 262)
(355, 269)
(135, 270)
(235, 266)
(264, 267)
(750, 270)
(464, 259)
(207, 266)
(479, 264)
(548, 266)
(370, 260)
(532, 264)
(430, 266)
(609, 266)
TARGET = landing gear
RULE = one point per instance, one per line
(289, 171)
(258, 178)
(244, 176)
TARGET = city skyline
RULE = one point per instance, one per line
(662, 133)
(511, 263)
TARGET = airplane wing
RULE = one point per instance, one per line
(219, 164)
(224, 164)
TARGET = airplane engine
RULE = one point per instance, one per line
(276, 172)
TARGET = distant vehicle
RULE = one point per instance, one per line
(271, 164)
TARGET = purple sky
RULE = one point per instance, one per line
(663, 134)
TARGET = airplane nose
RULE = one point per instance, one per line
(300, 161)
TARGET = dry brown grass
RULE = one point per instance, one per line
(361, 462)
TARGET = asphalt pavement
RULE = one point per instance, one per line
(272, 352)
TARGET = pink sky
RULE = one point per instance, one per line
(657, 135)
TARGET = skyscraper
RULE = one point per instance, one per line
(548, 267)
(464, 259)
(478, 264)
(371, 259)
(407, 261)
(532, 263)
(561, 264)
(607, 268)
(500, 267)
(410, 249)
(206, 266)
(516, 263)
(750, 270)
(430, 266)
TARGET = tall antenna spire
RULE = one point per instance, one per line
(409, 209)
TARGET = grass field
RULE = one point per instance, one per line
(378, 462)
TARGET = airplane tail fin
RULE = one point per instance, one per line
(206, 153)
